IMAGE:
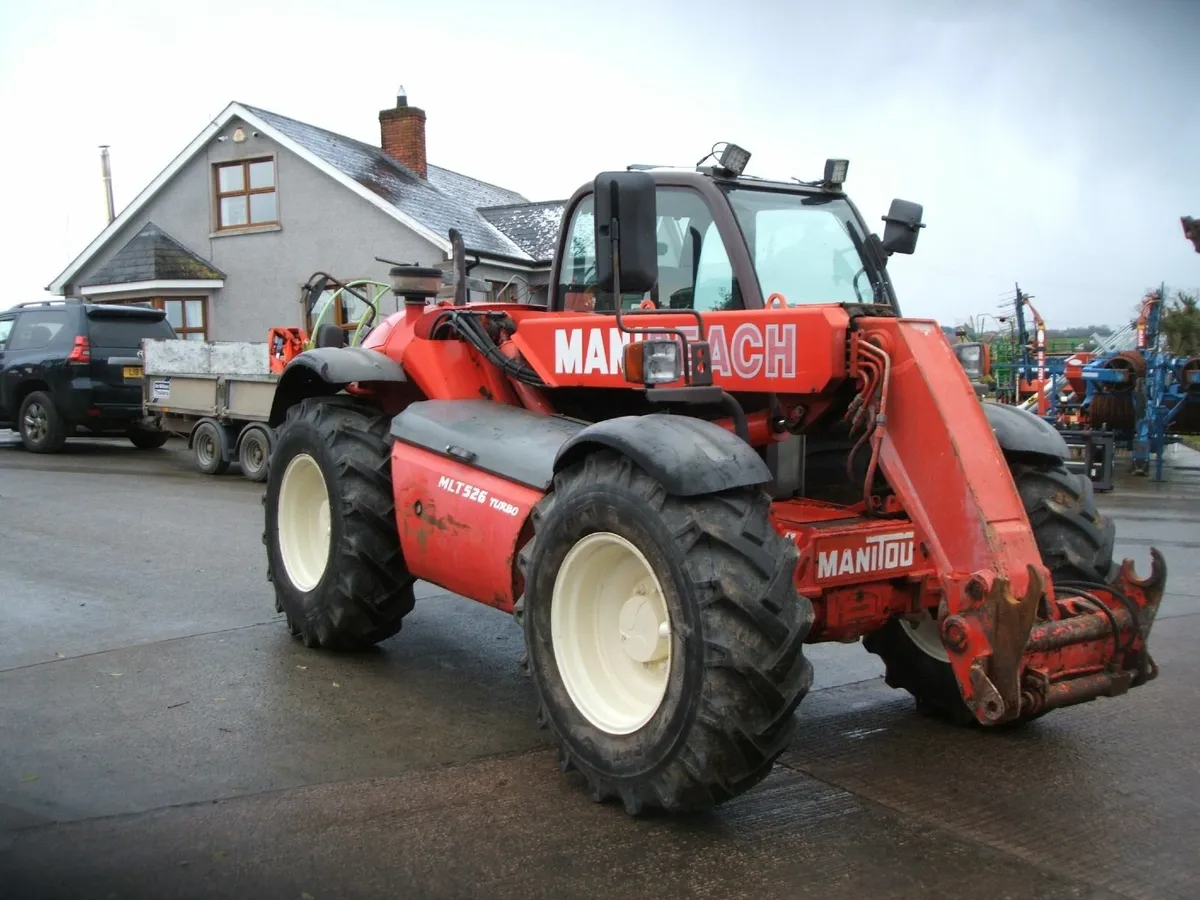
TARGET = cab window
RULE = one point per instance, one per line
(5, 330)
(694, 271)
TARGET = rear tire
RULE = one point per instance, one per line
(254, 452)
(144, 439)
(1076, 544)
(41, 428)
(712, 723)
(333, 551)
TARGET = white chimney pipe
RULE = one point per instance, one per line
(107, 172)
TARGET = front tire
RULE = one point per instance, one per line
(1076, 544)
(207, 449)
(41, 427)
(333, 551)
(696, 703)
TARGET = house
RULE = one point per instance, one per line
(226, 235)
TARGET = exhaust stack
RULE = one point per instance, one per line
(107, 172)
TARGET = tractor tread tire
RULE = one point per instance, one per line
(1076, 543)
(366, 590)
(753, 672)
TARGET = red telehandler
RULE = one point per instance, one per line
(717, 442)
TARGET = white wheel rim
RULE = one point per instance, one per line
(303, 522)
(612, 633)
(927, 636)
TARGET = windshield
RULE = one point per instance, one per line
(807, 248)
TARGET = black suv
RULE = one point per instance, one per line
(67, 365)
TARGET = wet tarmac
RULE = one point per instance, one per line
(162, 736)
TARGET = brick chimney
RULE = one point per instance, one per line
(402, 134)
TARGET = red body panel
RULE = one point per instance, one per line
(940, 456)
(459, 527)
(794, 351)
(857, 572)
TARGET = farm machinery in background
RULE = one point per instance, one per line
(1125, 392)
(218, 394)
(1144, 395)
(331, 307)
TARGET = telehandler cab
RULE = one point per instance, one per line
(718, 442)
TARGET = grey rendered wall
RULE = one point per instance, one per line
(323, 226)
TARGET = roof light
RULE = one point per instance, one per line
(835, 170)
(734, 159)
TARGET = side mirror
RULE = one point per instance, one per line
(903, 225)
(313, 292)
(626, 200)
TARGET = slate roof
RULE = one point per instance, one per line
(442, 201)
(153, 255)
(532, 226)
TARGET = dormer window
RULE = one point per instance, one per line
(246, 194)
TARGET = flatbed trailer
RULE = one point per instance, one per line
(218, 395)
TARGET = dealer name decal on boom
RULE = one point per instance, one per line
(750, 350)
(879, 553)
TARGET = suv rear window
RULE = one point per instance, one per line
(127, 331)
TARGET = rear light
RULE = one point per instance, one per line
(81, 352)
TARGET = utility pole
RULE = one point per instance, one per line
(107, 172)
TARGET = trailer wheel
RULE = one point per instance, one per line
(1076, 543)
(254, 452)
(208, 442)
(333, 551)
(664, 635)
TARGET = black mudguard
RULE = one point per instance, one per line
(1018, 431)
(326, 370)
(688, 456)
(508, 441)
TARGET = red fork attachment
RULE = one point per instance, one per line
(1015, 657)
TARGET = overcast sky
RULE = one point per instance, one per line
(1051, 143)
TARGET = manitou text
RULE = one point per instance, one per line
(749, 350)
(878, 553)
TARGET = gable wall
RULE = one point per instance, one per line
(323, 226)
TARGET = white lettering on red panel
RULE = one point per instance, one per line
(478, 495)
(878, 553)
(751, 351)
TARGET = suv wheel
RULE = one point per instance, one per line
(41, 427)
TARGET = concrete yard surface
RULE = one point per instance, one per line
(161, 736)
